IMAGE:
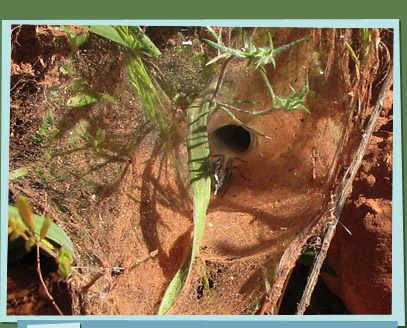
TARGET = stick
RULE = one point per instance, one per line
(339, 202)
(51, 299)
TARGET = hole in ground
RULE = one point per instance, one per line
(233, 137)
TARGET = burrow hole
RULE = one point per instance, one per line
(234, 138)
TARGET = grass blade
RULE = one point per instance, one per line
(198, 152)
(107, 31)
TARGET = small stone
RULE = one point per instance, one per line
(371, 180)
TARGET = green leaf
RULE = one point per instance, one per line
(79, 82)
(198, 153)
(26, 213)
(45, 227)
(109, 98)
(107, 31)
(64, 269)
(55, 233)
(18, 173)
(146, 45)
(174, 289)
(75, 40)
(82, 99)
(234, 52)
(352, 54)
(212, 31)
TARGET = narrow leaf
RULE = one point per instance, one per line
(30, 242)
(198, 153)
(26, 213)
(45, 227)
(109, 32)
(82, 99)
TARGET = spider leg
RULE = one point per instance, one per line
(232, 159)
(229, 176)
(230, 173)
(229, 166)
(240, 172)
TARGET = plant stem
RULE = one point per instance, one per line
(51, 299)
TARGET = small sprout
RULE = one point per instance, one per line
(64, 269)
(75, 40)
(30, 242)
(63, 254)
(64, 260)
(79, 82)
(26, 213)
(15, 228)
(99, 138)
(45, 228)
(352, 54)
(11, 224)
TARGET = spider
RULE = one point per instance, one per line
(223, 177)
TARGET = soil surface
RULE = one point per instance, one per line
(100, 172)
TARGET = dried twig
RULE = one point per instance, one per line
(51, 299)
(343, 191)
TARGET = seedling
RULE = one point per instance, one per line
(39, 232)
(86, 94)
(75, 39)
(24, 225)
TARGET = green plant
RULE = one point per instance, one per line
(293, 102)
(352, 54)
(364, 51)
(33, 230)
(153, 106)
(259, 57)
(198, 151)
(75, 39)
(256, 56)
(28, 229)
(86, 95)
(135, 39)
(46, 131)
